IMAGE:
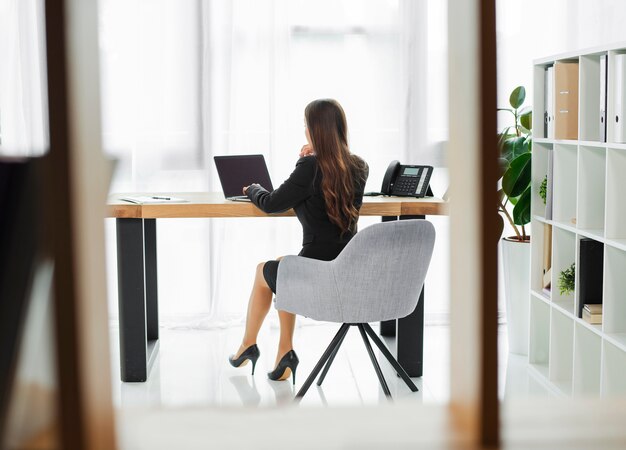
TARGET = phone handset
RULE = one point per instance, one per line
(390, 177)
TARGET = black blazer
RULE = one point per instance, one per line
(302, 192)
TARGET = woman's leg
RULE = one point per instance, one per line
(287, 325)
(258, 307)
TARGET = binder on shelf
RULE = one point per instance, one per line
(603, 99)
(549, 103)
(566, 100)
(548, 214)
(590, 273)
(547, 254)
(619, 128)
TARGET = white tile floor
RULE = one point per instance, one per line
(192, 370)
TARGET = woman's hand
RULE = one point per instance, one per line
(306, 150)
(245, 190)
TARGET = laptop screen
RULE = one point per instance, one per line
(238, 171)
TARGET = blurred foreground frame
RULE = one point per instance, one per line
(71, 184)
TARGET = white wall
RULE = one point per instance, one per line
(531, 29)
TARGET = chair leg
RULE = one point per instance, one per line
(320, 380)
(333, 344)
(385, 351)
(379, 372)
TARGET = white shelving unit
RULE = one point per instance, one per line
(589, 201)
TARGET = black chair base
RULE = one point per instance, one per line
(331, 351)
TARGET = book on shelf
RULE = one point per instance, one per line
(548, 214)
(593, 319)
(547, 280)
(548, 99)
(589, 273)
(592, 314)
(547, 253)
(603, 99)
(566, 100)
(619, 128)
(593, 308)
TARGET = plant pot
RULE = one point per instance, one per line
(516, 270)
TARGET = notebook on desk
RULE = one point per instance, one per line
(238, 171)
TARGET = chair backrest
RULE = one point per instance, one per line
(380, 273)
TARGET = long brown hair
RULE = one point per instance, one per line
(328, 131)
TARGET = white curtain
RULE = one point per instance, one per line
(23, 104)
(185, 81)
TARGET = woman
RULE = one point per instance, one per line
(326, 191)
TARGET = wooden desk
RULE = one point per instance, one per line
(137, 269)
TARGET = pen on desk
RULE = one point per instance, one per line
(161, 198)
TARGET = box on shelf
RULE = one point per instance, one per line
(566, 100)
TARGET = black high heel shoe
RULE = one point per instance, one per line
(286, 366)
(250, 354)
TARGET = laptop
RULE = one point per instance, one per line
(238, 171)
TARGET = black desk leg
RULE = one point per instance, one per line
(410, 340)
(388, 327)
(152, 293)
(137, 296)
(410, 330)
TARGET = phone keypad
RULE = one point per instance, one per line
(406, 185)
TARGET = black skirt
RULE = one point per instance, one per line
(321, 251)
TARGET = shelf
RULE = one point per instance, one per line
(613, 370)
(541, 296)
(540, 369)
(540, 373)
(617, 339)
(539, 333)
(615, 194)
(591, 184)
(561, 350)
(616, 146)
(587, 362)
(619, 244)
(597, 329)
(564, 226)
(566, 307)
(594, 144)
(563, 256)
(563, 387)
(614, 289)
(596, 234)
(588, 202)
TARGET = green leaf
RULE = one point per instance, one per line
(517, 97)
(526, 120)
(521, 212)
(513, 200)
(517, 177)
(503, 165)
(506, 151)
(514, 147)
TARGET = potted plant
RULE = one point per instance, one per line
(515, 144)
(567, 279)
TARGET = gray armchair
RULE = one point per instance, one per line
(378, 276)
